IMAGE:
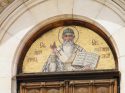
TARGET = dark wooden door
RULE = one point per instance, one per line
(93, 86)
(71, 86)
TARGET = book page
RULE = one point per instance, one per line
(86, 59)
(79, 59)
(91, 59)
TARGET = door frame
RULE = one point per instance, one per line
(69, 75)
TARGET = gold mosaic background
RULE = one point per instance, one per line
(40, 50)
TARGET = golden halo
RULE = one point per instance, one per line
(61, 29)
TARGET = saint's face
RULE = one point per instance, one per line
(68, 37)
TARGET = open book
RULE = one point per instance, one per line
(83, 59)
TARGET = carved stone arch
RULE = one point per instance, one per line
(41, 78)
(63, 20)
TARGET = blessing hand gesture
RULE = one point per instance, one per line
(53, 47)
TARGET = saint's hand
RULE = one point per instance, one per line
(53, 47)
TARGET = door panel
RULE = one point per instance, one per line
(42, 87)
(70, 86)
(81, 90)
(33, 91)
(104, 86)
(80, 86)
(102, 89)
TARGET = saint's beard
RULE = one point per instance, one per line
(68, 48)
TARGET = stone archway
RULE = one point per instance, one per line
(66, 20)
(29, 29)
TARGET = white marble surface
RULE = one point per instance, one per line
(109, 15)
(22, 23)
(122, 70)
(89, 8)
(5, 85)
(119, 38)
(109, 26)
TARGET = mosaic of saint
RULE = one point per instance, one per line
(68, 48)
